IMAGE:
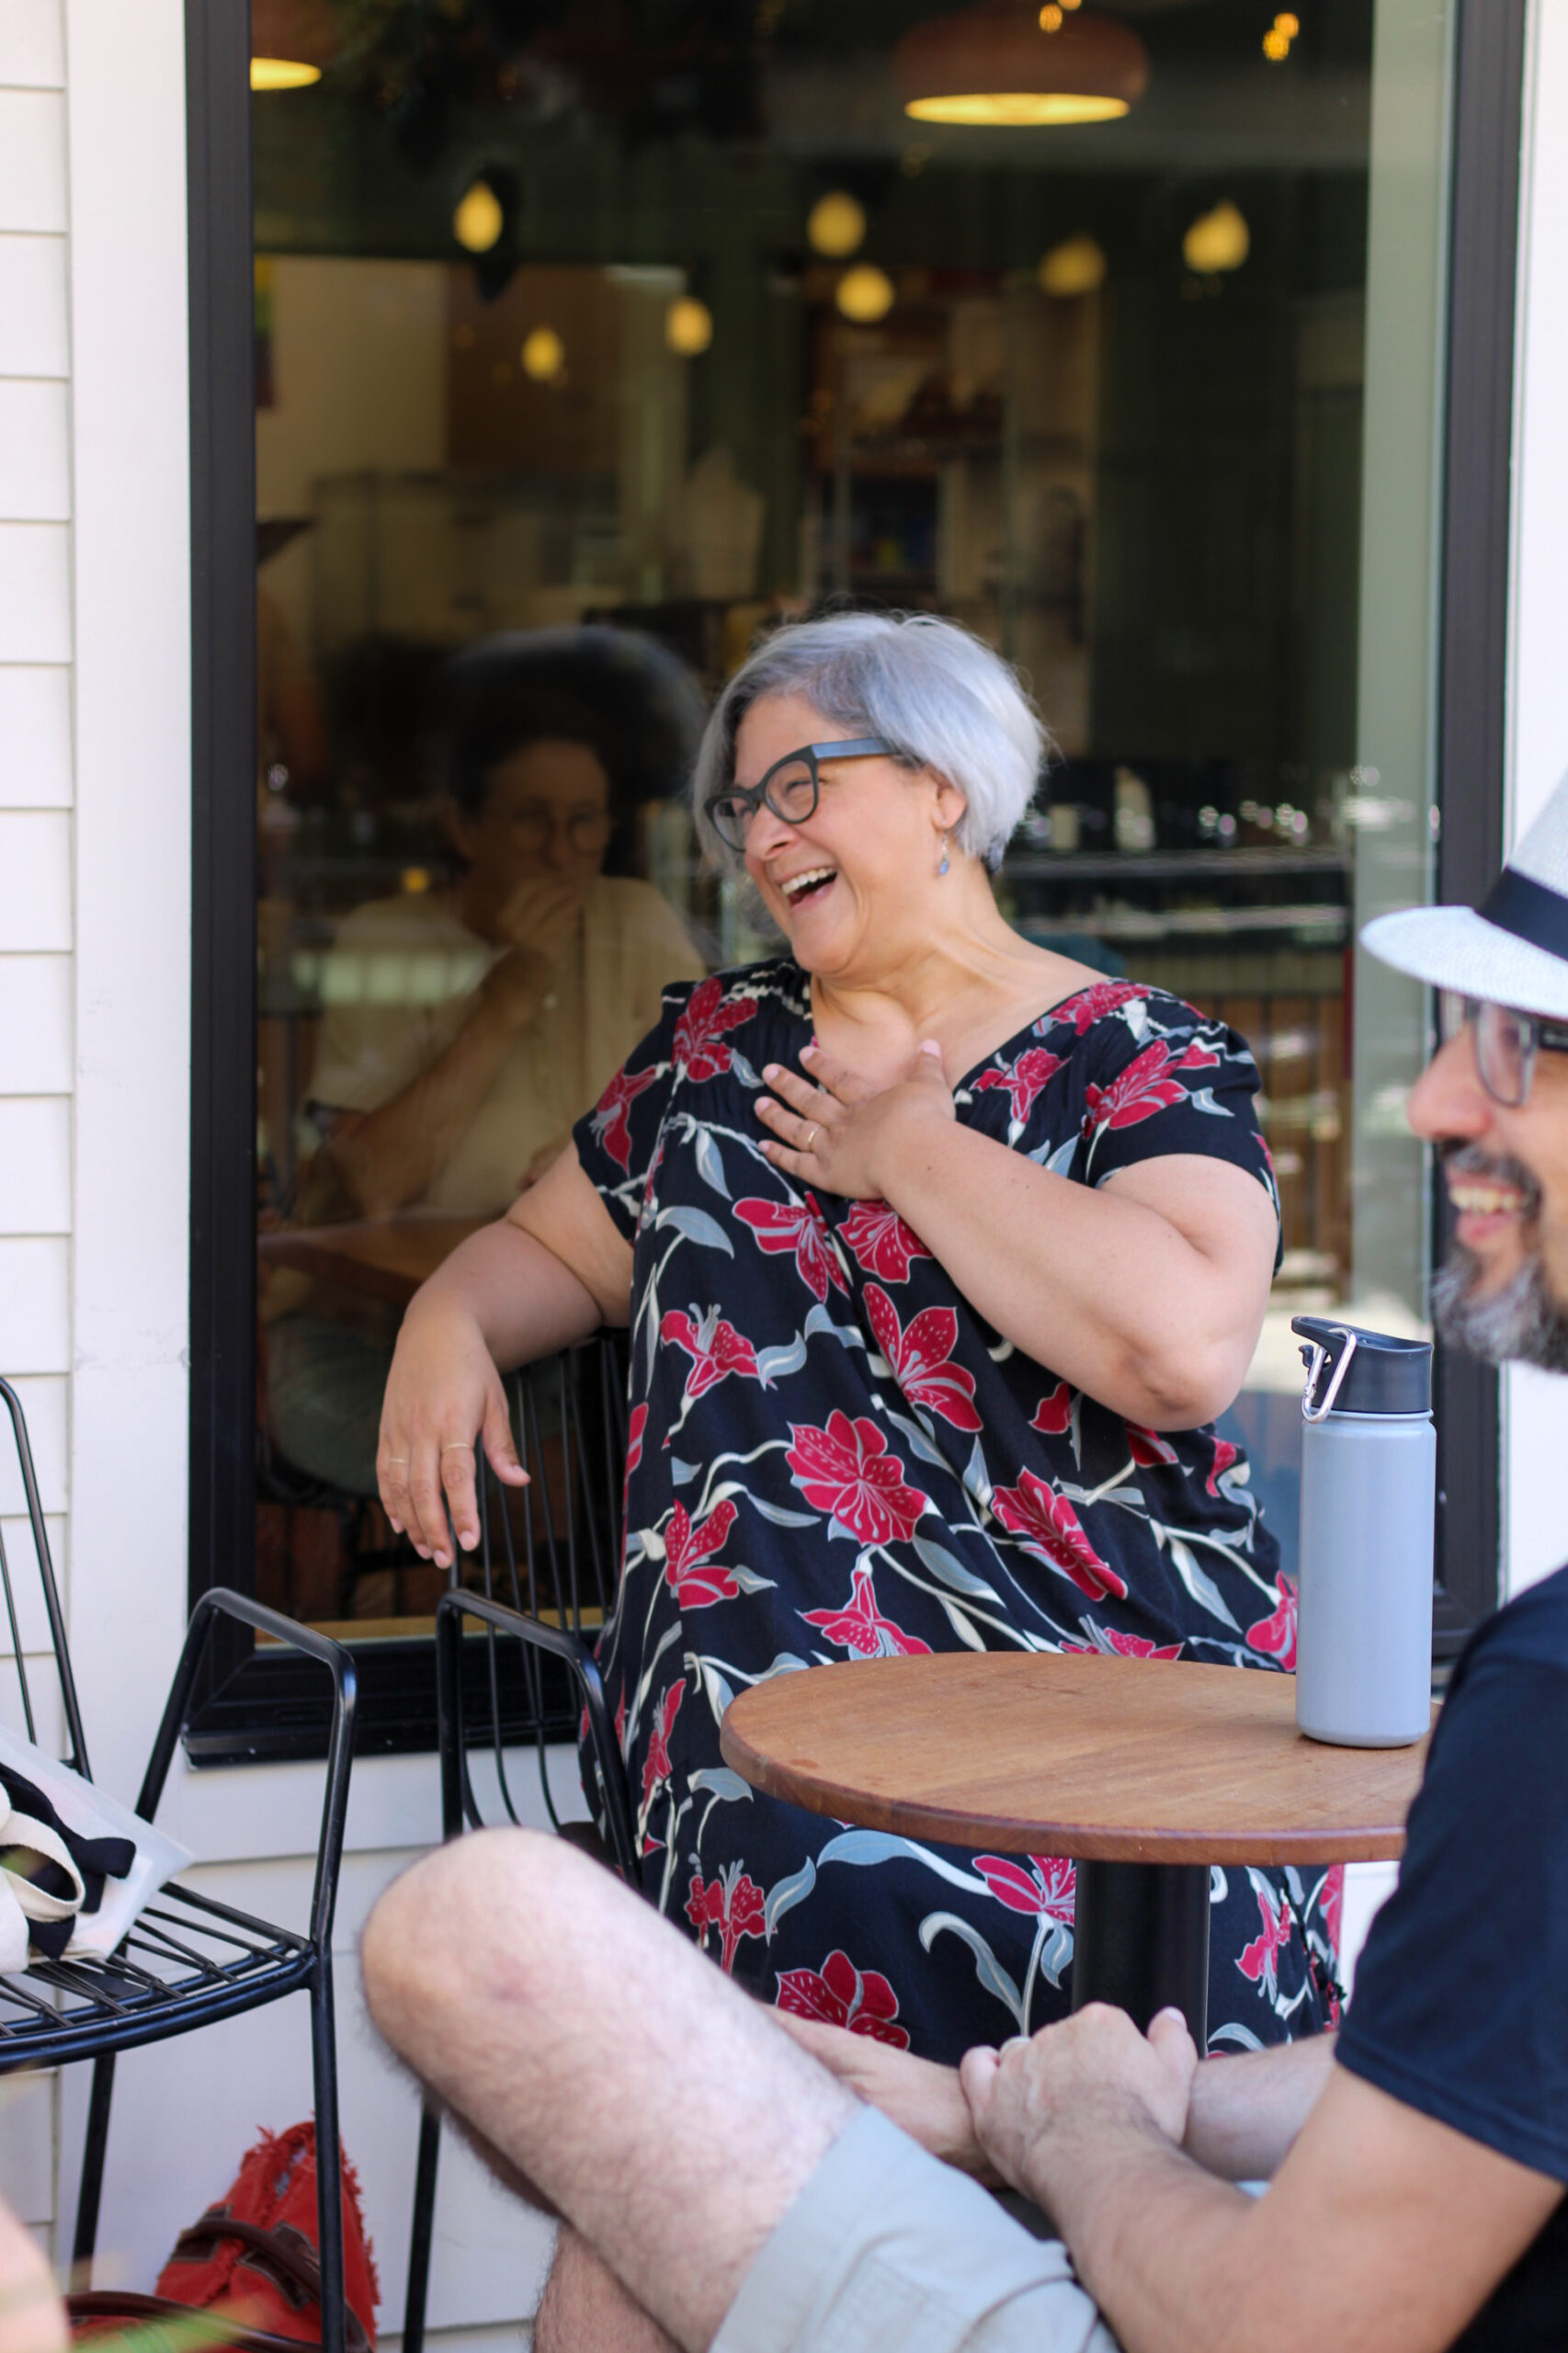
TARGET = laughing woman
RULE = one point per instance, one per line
(940, 1253)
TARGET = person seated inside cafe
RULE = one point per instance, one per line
(466, 1027)
(727, 2184)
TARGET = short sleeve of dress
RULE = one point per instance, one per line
(618, 1140)
(1170, 1080)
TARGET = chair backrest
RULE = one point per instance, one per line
(16, 1452)
(553, 1550)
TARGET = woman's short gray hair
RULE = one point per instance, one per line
(942, 699)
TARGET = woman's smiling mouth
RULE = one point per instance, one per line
(809, 885)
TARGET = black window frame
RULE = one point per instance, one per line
(255, 1705)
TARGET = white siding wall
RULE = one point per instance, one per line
(36, 794)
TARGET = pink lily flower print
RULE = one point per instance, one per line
(1274, 1636)
(1048, 1887)
(921, 1358)
(690, 1570)
(1053, 1532)
(860, 2001)
(715, 1348)
(699, 1047)
(1141, 1090)
(609, 1121)
(1023, 1079)
(732, 1904)
(846, 1470)
(880, 1241)
(783, 1226)
(860, 1626)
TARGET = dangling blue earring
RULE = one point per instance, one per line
(943, 868)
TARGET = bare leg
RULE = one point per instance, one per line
(594, 2049)
(584, 2309)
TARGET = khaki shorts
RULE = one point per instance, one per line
(886, 2250)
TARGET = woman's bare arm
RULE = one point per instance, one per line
(1147, 1292)
(550, 1272)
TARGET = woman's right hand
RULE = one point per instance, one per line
(443, 1396)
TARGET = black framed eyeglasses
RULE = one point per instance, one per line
(1507, 1042)
(791, 788)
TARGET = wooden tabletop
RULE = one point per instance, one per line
(1108, 1759)
(388, 1257)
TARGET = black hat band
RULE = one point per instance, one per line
(1529, 910)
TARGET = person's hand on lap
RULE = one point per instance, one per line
(1037, 2105)
(920, 2098)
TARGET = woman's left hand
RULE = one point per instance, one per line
(833, 1129)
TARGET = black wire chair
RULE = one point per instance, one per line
(188, 1960)
(545, 1578)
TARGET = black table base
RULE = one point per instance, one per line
(1141, 1941)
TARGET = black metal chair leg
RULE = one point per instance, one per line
(422, 2232)
(329, 2162)
(93, 2155)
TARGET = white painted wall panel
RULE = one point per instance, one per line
(32, 160)
(35, 1306)
(35, 1165)
(35, 737)
(35, 452)
(35, 588)
(45, 1401)
(32, 45)
(27, 2147)
(33, 334)
(35, 1025)
(33, 1617)
(35, 879)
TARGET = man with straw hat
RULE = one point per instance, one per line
(728, 2187)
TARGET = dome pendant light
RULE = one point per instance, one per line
(999, 63)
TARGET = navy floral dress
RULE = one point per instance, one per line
(832, 1457)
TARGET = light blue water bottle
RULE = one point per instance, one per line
(1369, 1486)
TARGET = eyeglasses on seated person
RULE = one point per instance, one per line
(1507, 1042)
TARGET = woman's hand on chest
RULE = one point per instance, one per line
(840, 1132)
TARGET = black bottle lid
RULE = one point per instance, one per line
(1360, 1371)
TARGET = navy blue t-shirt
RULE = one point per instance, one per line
(1462, 1995)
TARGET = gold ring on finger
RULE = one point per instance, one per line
(813, 1146)
(397, 1458)
(459, 1446)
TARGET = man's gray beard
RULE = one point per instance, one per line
(1521, 1324)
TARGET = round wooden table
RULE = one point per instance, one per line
(1144, 1771)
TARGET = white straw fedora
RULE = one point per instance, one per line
(1513, 950)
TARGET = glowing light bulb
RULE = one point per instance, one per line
(478, 221)
(1216, 241)
(1287, 24)
(835, 224)
(1051, 17)
(1275, 46)
(865, 294)
(1077, 265)
(543, 354)
(282, 74)
(689, 326)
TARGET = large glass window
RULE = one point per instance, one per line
(591, 340)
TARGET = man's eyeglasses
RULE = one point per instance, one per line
(791, 788)
(586, 829)
(1507, 1042)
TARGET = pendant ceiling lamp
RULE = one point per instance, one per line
(998, 63)
(290, 40)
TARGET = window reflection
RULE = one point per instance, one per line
(589, 343)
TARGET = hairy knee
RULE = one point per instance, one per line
(481, 1908)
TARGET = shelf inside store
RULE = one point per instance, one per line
(1324, 925)
(1205, 866)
